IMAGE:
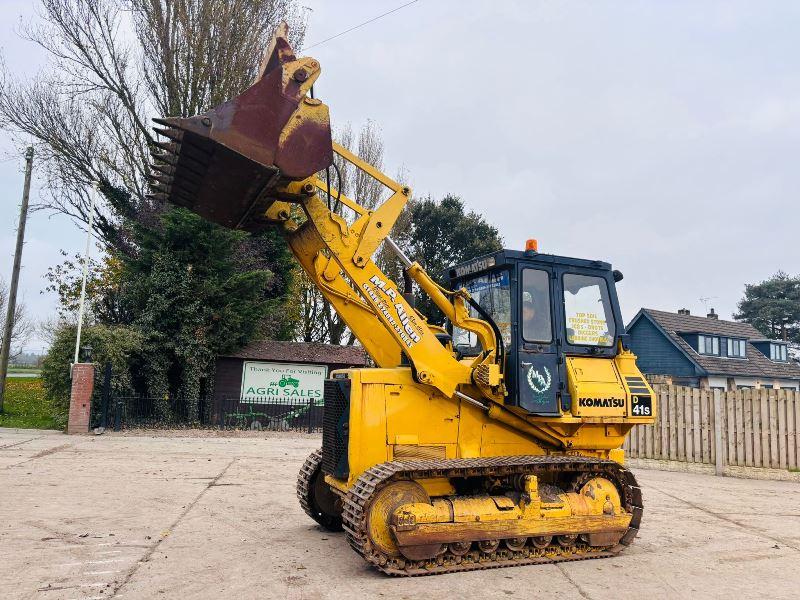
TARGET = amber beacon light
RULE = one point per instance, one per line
(532, 246)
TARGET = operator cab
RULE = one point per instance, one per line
(546, 307)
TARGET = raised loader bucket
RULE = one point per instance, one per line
(226, 163)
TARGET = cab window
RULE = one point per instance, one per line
(587, 311)
(536, 322)
(493, 292)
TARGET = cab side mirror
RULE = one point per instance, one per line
(617, 275)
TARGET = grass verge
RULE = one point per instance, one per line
(25, 370)
(26, 405)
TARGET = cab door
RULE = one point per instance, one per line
(538, 371)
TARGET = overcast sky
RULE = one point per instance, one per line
(659, 136)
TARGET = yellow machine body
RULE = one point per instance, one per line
(392, 417)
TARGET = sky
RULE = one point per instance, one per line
(659, 136)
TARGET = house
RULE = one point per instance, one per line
(708, 352)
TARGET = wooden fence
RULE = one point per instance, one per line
(752, 428)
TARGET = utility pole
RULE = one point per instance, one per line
(12, 291)
(85, 274)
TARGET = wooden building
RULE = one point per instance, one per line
(270, 369)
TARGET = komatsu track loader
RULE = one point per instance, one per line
(496, 441)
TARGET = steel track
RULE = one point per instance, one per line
(357, 501)
(304, 493)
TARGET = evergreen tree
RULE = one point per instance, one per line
(443, 234)
(191, 302)
(773, 307)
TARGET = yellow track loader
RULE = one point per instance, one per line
(494, 441)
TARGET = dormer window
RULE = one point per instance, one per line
(708, 345)
(777, 352)
(736, 348)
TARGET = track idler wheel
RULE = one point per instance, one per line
(488, 546)
(379, 515)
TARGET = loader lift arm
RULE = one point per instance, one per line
(337, 256)
(250, 162)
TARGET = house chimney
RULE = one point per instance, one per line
(712, 315)
(683, 311)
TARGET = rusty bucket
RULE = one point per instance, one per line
(226, 164)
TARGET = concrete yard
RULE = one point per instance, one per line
(169, 516)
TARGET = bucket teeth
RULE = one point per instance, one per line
(174, 187)
(168, 121)
(166, 158)
(161, 188)
(184, 179)
(162, 179)
(168, 170)
(190, 169)
(169, 147)
(171, 133)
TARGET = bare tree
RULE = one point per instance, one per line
(48, 328)
(114, 65)
(313, 325)
(23, 327)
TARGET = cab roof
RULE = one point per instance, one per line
(500, 258)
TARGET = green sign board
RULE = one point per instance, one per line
(268, 383)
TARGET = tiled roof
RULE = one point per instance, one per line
(302, 352)
(754, 365)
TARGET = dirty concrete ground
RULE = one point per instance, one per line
(160, 516)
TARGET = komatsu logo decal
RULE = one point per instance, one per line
(474, 266)
(601, 402)
(404, 323)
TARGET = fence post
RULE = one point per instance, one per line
(202, 401)
(106, 396)
(719, 445)
(118, 414)
(310, 409)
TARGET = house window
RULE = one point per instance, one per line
(777, 352)
(736, 348)
(708, 345)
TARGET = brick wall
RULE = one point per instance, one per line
(80, 403)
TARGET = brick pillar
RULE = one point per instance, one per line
(80, 402)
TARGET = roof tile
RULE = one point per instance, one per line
(302, 352)
(755, 364)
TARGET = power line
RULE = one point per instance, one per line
(372, 20)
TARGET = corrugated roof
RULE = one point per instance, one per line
(755, 364)
(302, 352)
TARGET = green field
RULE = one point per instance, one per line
(31, 371)
(26, 406)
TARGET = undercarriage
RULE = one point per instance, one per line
(508, 511)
